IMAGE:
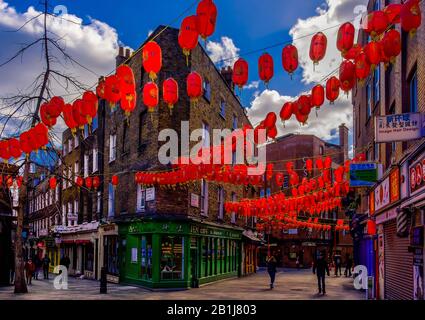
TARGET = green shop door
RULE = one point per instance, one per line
(194, 263)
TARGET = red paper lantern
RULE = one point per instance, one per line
(96, 182)
(332, 89)
(112, 89)
(266, 67)
(207, 17)
(100, 89)
(392, 11)
(89, 106)
(126, 76)
(272, 133)
(68, 117)
(317, 96)
(410, 16)
(391, 44)
(45, 117)
(24, 142)
(52, 183)
(318, 46)
(150, 96)
(194, 86)
(309, 165)
(286, 112)
(240, 73)
(362, 67)
(290, 59)
(270, 120)
(4, 150)
(376, 23)
(373, 53)
(14, 148)
(304, 105)
(79, 181)
(353, 53)
(128, 102)
(55, 107)
(77, 113)
(371, 227)
(345, 38)
(188, 35)
(347, 75)
(152, 59)
(114, 180)
(170, 91)
(301, 118)
(41, 134)
(89, 182)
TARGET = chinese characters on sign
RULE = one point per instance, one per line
(416, 175)
(398, 127)
(386, 193)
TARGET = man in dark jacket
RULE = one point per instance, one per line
(321, 268)
(271, 269)
(348, 265)
(46, 265)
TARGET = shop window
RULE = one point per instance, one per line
(207, 90)
(172, 256)
(204, 266)
(141, 199)
(146, 257)
(89, 257)
(111, 200)
(413, 92)
(110, 259)
(204, 198)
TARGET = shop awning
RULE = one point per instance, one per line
(250, 235)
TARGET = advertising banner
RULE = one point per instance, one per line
(399, 127)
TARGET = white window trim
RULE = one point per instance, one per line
(112, 147)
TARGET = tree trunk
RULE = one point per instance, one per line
(20, 284)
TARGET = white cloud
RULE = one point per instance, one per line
(329, 117)
(224, 53)
(150, 32)
(94, 46)
(333, 13)
(252, 85)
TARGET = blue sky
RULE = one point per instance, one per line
(250, 24)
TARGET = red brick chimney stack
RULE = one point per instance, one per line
(343, 139)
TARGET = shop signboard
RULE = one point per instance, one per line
(150, 194)
(363, 174)
(194, 200)
(416, 175)
(386, 192)
(399, 127)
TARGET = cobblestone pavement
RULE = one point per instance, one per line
(289, 285)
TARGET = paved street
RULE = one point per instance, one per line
(290, 285)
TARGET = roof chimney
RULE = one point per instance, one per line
(343, 140)
(227, 74)
(120, 57)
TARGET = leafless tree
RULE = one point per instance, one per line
(21, 111)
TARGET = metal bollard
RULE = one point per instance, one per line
(103, 281)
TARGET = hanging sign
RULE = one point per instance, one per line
(416, 175)
(363, 174)
(386, 192)
(150, 194)
(399, 127)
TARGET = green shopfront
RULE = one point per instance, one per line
(170, 254)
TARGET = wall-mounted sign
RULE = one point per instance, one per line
(399, 127)
(417, 237)
(386, 193)
(416, 175)
(150, 194)
(194, 200)
(363, 174)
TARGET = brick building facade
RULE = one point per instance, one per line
(300, 243)
(396, 89)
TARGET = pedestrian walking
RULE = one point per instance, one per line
(298, 262)
(38, 265)
(338, 264)
(65, 262)
(271, 269)
(46, 265)
(348, 265)
(29, 270)
(320, 268)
